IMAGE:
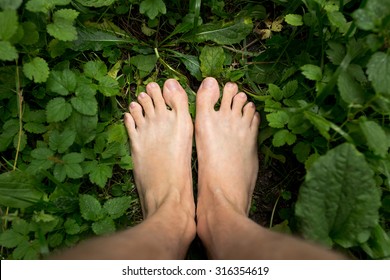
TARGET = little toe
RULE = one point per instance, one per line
(154, 91)
(248, 112)
(175, 96)
(147, 104)
(238, 103)
(207, 95)
(130, 125)
(136, 113)
(229, 91)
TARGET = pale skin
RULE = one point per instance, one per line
(226, 143)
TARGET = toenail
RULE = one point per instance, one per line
(142, 95)
(132, 105)
(230, 85)
(208, 82)
(152, 85)
(172, 84)
(242, 95)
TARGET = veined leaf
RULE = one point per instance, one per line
(104, 226)
(211, 61)
(62, 27)
(62, 82)
(294, 20)
(9, 24)
(58, 110)
(376, 137)
(37, 70)
(90, 208)
(96, 3)
(117, 207)
(339, 200)
(378, 70)
(7, 51)
(152, 8)
(44, 6)
(10, 4)
(95, 69)
(61, 141)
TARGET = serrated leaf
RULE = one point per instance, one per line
(223, 33)
(31, 35)
(27, 250)
(62, 82)
(320, 123)
(59, 172)
(192, 64)
(351, 92)
(55, 239)
(21, 226)
(37, 128)
(11, 239)
(37, 70)
(85, 104)
(376, 137)
(117, 133)
(116, 207)
(290, 88)
(58, 110)
(19, 189)
(95, 69)
(96, 3)
(211, 61)
(71, 226)
(100, 174)
(283, 137)
(61, 141)
(338, 20)
(73, 158)
(90, 208)
(144, 63)
(372, 15)
(44, 6)
(378, 70)
(10, 4)
(104, 226)
(85, 126)
(62, 27)
(277, 119)
(7, 51)
(108, 86)
(339, 200)
(312, 72)
(294, 19)
(302, 151)
(42, 153)
(275, 92)
(336, 53)
(9, 24)
(378, 246)
(152, 8)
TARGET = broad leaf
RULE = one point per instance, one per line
(96, 3)
(61, 141)
(339, 200)
(85, 104)
(108, 86)
(350, 90)
(152, 8)
(104, 226)
(44, 5)
(10, 4)
(8, 23)
(100, 174)
(378, 70)
(312, 72)
(7, 51)
(62, 28)
(37, 70)
(277, 119)
(62, 82)
(117, 207)
(294, 19)
(211, 61)
(90, 208)
(58, 110)
(376, 137)
(283, 137)
(95, 69)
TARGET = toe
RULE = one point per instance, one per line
(248, 112)
(229, 92)
(130, 125)
(255, 122)
(238, 103)
(175, 96)
(154, 91)
(146, 103)
(207, 95)
(136, 113)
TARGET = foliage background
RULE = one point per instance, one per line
(317, 70)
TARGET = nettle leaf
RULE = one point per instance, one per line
(62, 82)
(72, 165)
(320, 123)
(144, 63)
(108, 86)
(104, 226)
(294, 19)
(59, 172)
(350, 90)
(9, 24)
(85, 126)
(211, 61)
(302, 151)
(31, 35)
(117, 133)
(7, 51)
(290, 88)
(100, 174)
(44, 6)
(339, 200)
(152, 8)
(90, 208)
(61, 141)
(378, 246)
(283, 137)
(96, 3)
(116, 207)
(378, 70)
(37, 128)
(312, 72)
(10, 238)
(372, 15)
(71, 226)
(223, 33)
(37, 70)
(277, 119)
(95, 69)
(19, 189)
(58, 110)
(275, 92)
(62, 27)
(10, 4)
(376, 137)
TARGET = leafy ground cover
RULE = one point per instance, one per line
(317, 70)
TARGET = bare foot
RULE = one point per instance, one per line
(161, 144)
(226, 142)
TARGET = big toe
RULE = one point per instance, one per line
(175, 96)
(207, 95)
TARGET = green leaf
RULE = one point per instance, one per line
(62, 82)
(10, 4)
(59, 172)
(73, 158)
(378, 70)
(152, 8)
(117, 133)
(116, 207)
(11, 238)
(27, 250)
(19, 189)
(372, 15)
(376, 137)
(350, 91)
(62, 27)
(96, 3)
(54, 240)
(223, 33)
(283, 137)
(85, 126)
(338, 20)
(42, 153)
(21, 226)
(290, 88)
(378, 246)
(71, 226)
(37, 70)
(44, 6)
(61, 141)
(9, 24)
(275, 92)
(85, 104)
(104, 226)
(312, 72)
(339, 200)
(294, 20)
(277, 119)
(58, 110)
(108, 86)
(320, 123)
(31, 35)
(7, 51)
(90, 208)
(100, 174)
(302, 151)
(211, 61)
(95, 69)
(144, 63)
(192, 64)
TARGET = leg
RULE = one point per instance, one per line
(226, 143)
(161, 144)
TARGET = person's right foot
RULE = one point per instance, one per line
(226, 143)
